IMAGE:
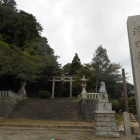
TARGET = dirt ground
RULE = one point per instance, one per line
(17, 134)
(38, 134)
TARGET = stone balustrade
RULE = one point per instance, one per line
(92, 95)
(5, 93)
(89, 96)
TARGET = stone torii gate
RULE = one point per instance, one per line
(61, 79)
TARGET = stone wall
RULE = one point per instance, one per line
(7, 105)
(86, 107)
(8, 102)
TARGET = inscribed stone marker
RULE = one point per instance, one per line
(133, 26)
(127, 127)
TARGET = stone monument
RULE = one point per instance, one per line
(133, 26)
(22, 89)
(127, 126)
(104, 117)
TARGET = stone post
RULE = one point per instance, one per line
(70, 88)
(127, 127)
(133, 26)
(53, 88)
(125, 91)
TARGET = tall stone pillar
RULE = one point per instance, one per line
(133, 26)
(53, 88)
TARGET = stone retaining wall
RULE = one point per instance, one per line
(8, 102)
(86, 107)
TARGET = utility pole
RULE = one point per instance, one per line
(125, 91)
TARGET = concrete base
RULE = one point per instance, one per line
(104, 125)
(104, 119)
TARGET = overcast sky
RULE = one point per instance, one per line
(80, 26)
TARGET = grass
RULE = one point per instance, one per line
(43, 122)
(118, 118)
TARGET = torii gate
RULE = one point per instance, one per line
(62, 78)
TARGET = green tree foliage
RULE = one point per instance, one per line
(86, 71)
(100, 63)
(29, 64)
(18, 28)
(24, 54)
(66, 69)
(72, 69)
(75, 65)
(8, 3)
(132, 105)
(117, 104)
(104, 70)
(101, 69)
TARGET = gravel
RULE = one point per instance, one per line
(16, 134)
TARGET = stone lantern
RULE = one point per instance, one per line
(83, 80)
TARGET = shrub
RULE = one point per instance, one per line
(44, 94)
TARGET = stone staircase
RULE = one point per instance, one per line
(41, 109)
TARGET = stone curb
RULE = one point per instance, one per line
(45, 126)
(14, 128)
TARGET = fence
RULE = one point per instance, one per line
(89, 96)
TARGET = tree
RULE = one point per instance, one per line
(66, 69)
(8, 3)
(75, 65)
(19, 28)
(100, 63)
(24, 54)
(101, 69)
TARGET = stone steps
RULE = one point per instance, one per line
(47, 109)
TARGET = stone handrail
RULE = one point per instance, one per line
(92, 95)
(89, 96)
(4, 93)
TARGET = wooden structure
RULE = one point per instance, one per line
(61, 79)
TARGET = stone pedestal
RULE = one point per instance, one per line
(104, 119)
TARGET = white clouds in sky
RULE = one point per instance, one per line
(80, 26)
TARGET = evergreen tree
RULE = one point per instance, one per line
(100, 63)
(104, 70)
(75, 65)
(66, 69)
(8, 3)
